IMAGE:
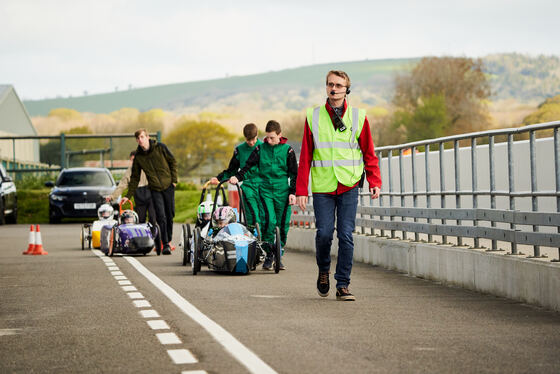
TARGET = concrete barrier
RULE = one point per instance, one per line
(532, 281)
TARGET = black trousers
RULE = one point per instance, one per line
(164, 204)
(144, 203)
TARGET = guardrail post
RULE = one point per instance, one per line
(401, 183)
(457, 185)
(381, 197)
(442, 185)
(62, 151)
(557, 172)
(492, 184)
(474, 186)
(414, 187)
(389, 161)
(427, 172)
(534, 199)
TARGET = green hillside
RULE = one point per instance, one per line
(376, 75)
(512, 76)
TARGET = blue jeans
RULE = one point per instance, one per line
(344, 206)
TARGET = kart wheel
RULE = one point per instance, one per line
(196, 251)
(83, 237)
(157, 240)
(185, 237)
(113, 242)
(89, 235)
(277, 251)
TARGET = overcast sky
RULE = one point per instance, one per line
(61, 48)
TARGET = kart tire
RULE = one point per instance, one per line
(185, 235)
(113, 242)
(83, 237)
(277, 251)
(89, 237)
(196, 251)
(157, 240)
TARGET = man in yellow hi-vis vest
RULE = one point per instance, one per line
(337, 149)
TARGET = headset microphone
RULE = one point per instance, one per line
(333, 92)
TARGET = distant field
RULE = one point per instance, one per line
(377, 74)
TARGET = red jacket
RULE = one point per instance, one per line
(371, 163)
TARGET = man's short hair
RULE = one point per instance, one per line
(341, 74)
(273, 125)
(140, 131)
(250, 131)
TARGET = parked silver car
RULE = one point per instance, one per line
(8, 198)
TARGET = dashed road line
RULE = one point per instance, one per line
(158, 324)
(244, 355)
(181, 356)
(168, 338)
(178, 356)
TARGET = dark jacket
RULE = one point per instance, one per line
(159, 165)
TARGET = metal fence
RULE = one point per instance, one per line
(17, 167)
(438, 190)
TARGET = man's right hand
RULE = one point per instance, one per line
(108, 199)
(214, 180)
(301, 202)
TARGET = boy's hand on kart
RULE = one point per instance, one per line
(292, 199)
(233, 180)
(301, 202)
(214, 180)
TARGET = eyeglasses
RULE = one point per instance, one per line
(335, 85)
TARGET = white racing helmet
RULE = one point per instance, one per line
(105, 212)
(204, 210)
(224, 214)
(129, 216)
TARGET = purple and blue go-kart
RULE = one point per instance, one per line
(233, 249)
(131, 238)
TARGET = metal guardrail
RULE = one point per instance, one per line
(403, 213)
(64, 153)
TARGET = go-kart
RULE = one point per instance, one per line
(90, 235)
(233, 248)
(130, 238)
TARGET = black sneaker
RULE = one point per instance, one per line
(267, 265)
(323, 284)
(343, 294)
(166, 250)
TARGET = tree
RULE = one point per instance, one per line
(547, 111)
(197, 144)
(459, 81)
(429, 120)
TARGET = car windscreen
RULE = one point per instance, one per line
(84, 178)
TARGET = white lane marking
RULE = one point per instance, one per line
(114, 268)
(120, 277)
(194, 372)
(129, 288)
(243, 354)
(142, 303)
(6, 332)
(110, 264)
(149, 313)
(105, 259)
(135, 295)
(117, 273)
(158, 324)
(125, 283)
(168, 338)
(181, 356)
(268, 296)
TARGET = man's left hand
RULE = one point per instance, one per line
(374, 192)
(292, 199)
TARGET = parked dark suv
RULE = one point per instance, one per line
(78, 193)
(8, 198)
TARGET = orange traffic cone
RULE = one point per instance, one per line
(31, 245)
(38, 250)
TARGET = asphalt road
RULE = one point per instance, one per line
(78, 311)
